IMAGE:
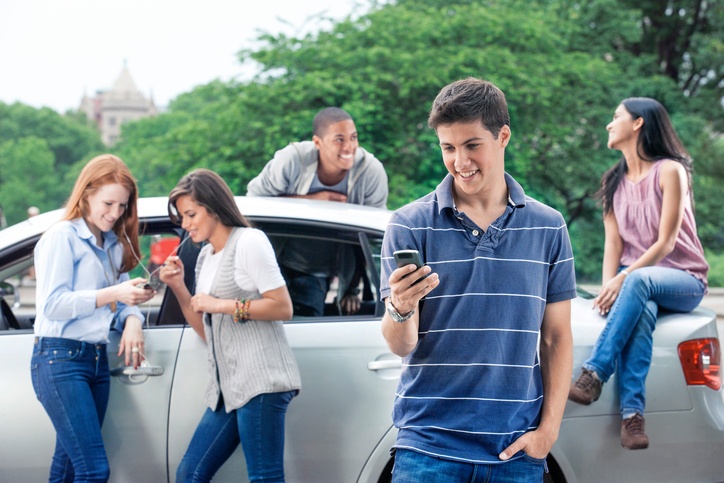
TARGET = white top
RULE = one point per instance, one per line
(255, 265)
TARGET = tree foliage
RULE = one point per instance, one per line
(38, 148)
(563, 64)
(17, 159)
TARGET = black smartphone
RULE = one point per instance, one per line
(406, 257)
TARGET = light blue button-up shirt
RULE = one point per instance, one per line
(70, 268)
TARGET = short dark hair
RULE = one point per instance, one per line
(470, 100)
(326, 117)
(209, 190)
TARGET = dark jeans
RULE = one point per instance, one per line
(258, 426)
(72, 381)
(413, 467)
(308, 292)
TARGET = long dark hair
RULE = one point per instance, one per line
(657, 140)
(209, 190)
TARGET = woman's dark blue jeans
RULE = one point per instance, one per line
(258, 426)
(72, 381)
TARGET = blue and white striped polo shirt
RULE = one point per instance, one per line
(473, 385)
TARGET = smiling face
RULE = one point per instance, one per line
(337, 146)
(196, 219)
(623, 129)
(105, 206)
(473, 156)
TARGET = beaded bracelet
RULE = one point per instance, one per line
(241, 310)
(247, 304)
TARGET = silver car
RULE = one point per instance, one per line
(339, 428)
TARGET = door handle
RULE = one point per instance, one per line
(384, 364)
(141, 371)
(129, 375)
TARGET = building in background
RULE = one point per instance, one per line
(112, 108)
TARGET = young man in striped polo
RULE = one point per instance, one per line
(476, 398)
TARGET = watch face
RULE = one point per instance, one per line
(395, 315)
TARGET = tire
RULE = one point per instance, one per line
(554, 474)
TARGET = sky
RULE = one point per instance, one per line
(52, 52)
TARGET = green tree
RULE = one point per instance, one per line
(564, 66)
(672, 51)
(19, 190)
(38, 149)
(68, 138)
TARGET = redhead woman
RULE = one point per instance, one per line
(83, 288)
(653, 259)
(238, 307)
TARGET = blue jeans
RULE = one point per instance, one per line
(626, 343)
(258, 425)
(413, 467)
(72, 381)
(308, 292)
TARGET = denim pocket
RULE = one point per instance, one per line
(55, 356)
(538, 461)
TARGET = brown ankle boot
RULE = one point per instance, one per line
(633, 434)
(586, 389)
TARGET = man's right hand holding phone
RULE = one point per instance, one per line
(400, 324)
(409, 284)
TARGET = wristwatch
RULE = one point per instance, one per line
(395, 315)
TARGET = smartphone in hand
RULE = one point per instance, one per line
(406, 257)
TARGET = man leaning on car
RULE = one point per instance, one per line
(332, 166)
(474, 402)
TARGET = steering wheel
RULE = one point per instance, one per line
(8, 315)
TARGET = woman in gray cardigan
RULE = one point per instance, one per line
(238, 305)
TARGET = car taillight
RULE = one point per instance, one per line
(700, 360)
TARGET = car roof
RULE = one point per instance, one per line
(265, 207)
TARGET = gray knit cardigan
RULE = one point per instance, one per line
(245, 359)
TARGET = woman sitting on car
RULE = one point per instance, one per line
(240, 301)
(653, 258)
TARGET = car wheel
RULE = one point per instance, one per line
(554, 474)
(386, 476)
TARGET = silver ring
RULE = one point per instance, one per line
(135, 350)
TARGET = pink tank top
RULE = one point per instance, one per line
(637, 207)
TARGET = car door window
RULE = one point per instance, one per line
(326, 246)
(17, 292)
(157, 239)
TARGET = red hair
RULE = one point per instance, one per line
(100, 171)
